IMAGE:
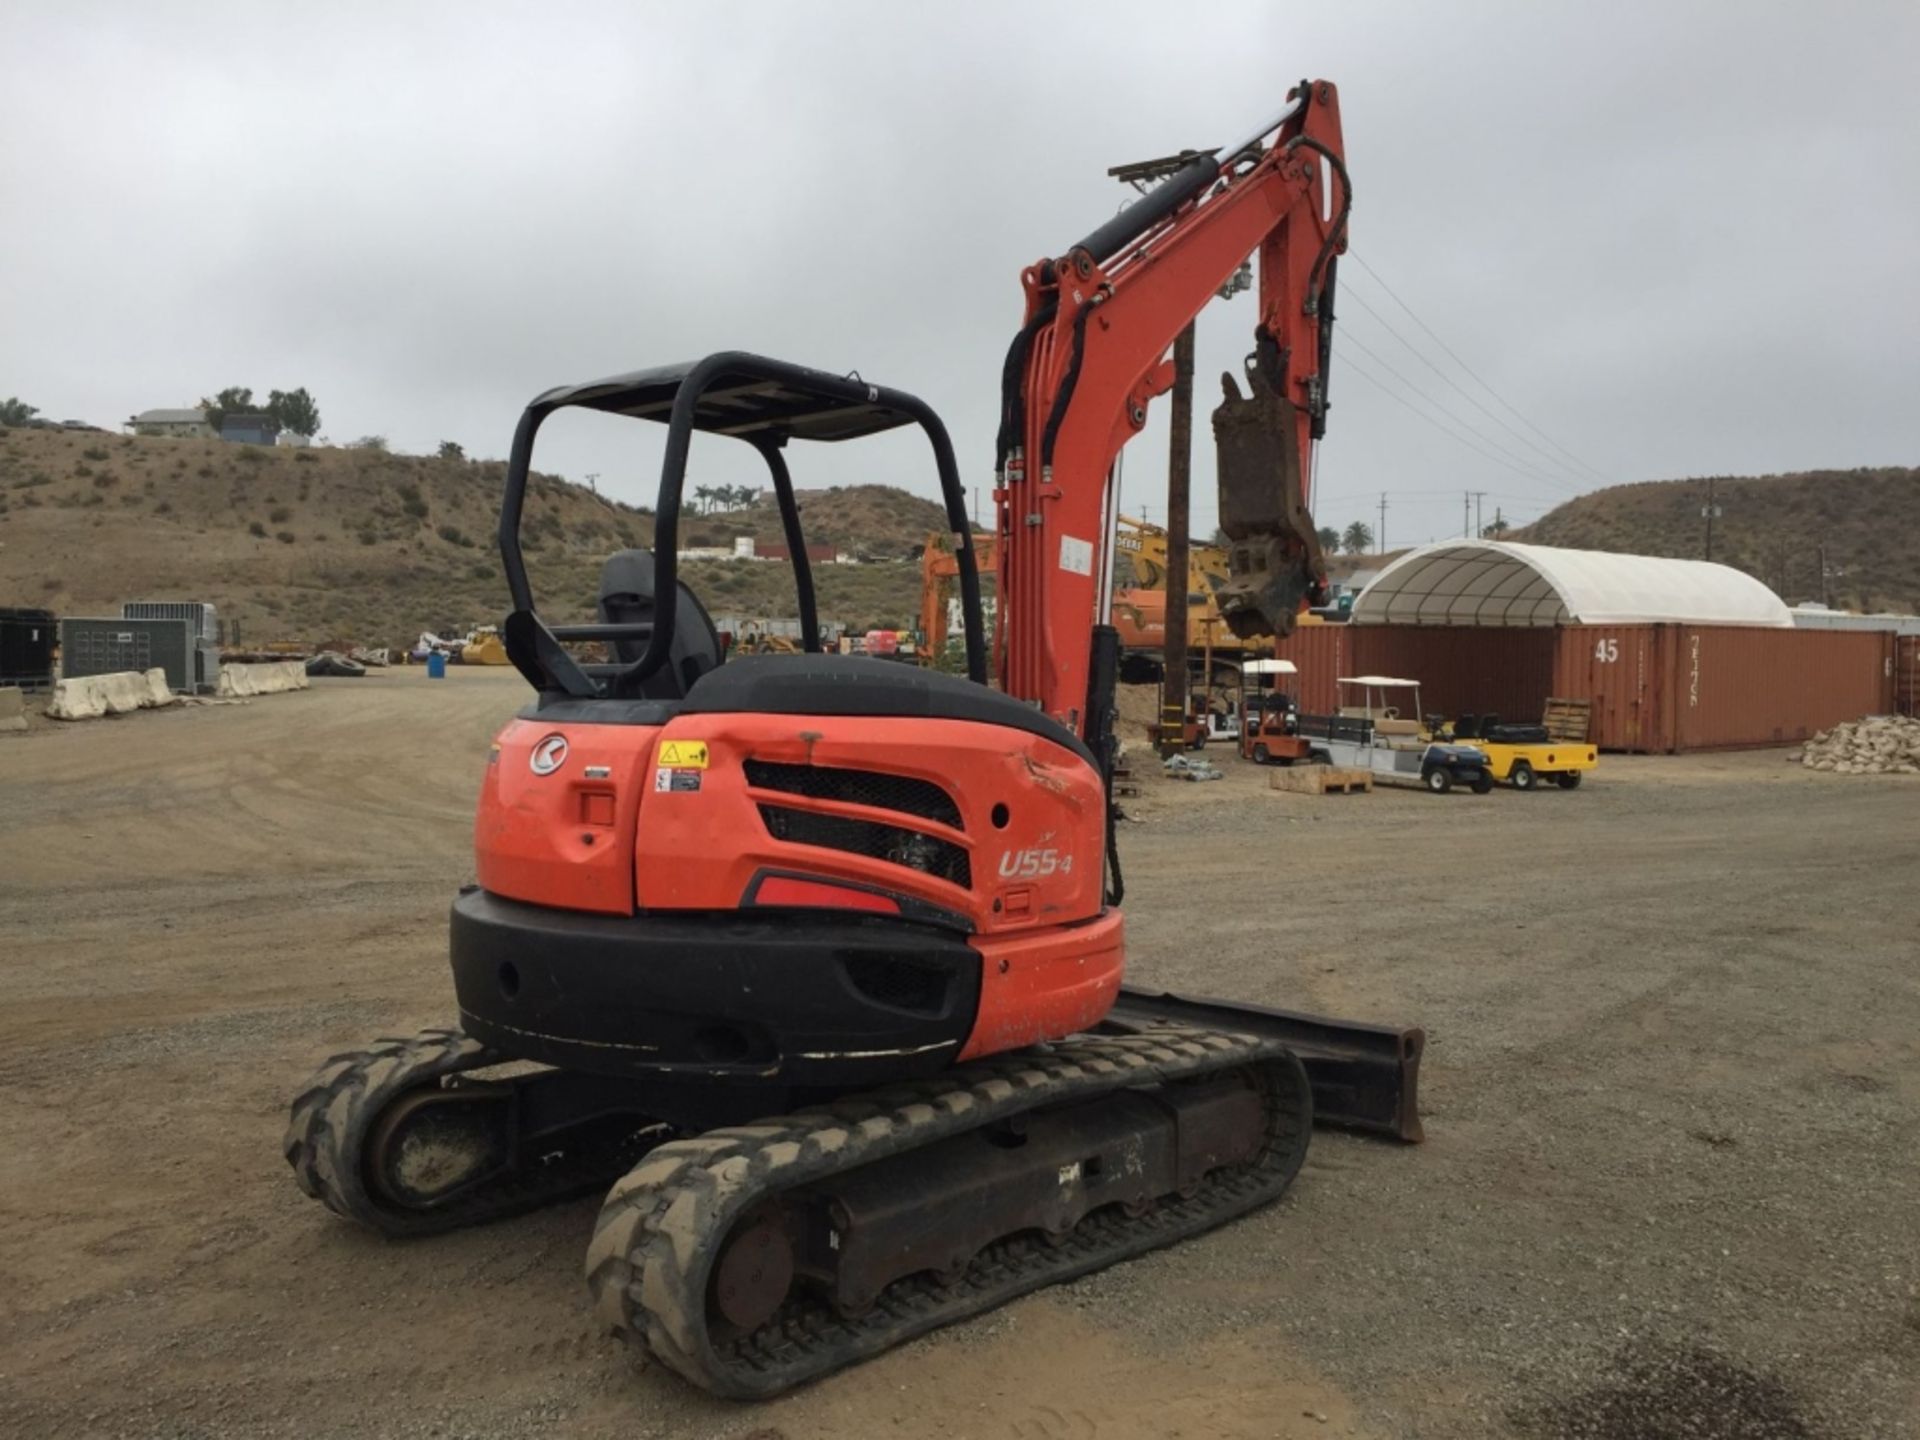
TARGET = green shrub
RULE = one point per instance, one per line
(105, 480)
(454, 536)
(257, 530)
(279, 513)
(304, 457)
(93, 452)
(285, 537)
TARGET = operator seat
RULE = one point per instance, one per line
(626, 598)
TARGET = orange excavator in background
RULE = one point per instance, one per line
(814, 963)
(939, 570)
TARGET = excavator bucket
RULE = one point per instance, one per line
(1273, 555)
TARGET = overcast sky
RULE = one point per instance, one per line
(1677, 239)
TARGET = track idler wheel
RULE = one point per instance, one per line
(401, 1138)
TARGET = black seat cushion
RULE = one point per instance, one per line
(858, 685)
(627, 589)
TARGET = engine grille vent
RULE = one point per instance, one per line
(897, 846)
(858, 787)
(899, 983)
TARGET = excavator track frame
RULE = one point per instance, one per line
(347, 1127)
(666, 1225)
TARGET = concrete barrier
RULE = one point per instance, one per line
(87, 697)
(272, 678)
(13, 708)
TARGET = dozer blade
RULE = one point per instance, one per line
(1273, 553)
(1364, 1077)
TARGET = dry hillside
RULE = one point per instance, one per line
(372, 547)
(1771, 526)
(876, 522)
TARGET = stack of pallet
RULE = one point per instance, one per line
(1321, 780)
(1567, 721)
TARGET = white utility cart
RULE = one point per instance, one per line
(1378, 728)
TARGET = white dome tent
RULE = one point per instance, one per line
(1495, 583)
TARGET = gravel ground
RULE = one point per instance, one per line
(1671, 1186)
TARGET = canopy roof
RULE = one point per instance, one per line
(1379, 681)
(1270, 667)
(1494, 582)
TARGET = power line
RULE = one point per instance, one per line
(1598, 474)
(1467, 395)
(1536, 474)
(1444, 430)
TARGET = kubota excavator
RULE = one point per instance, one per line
(817, 960)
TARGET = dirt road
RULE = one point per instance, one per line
(1672, 1185)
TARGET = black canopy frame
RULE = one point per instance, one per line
(763, 402)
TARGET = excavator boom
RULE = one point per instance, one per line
(1090, 356)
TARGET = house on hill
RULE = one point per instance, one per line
(174, 423)
(249, 429)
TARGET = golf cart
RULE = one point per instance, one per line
(1268, 733)
(1524, 755)
(1383, 734)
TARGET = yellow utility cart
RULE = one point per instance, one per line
(1525, 756)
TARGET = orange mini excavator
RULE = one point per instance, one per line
(817, 960)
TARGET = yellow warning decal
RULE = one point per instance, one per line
(683, 754)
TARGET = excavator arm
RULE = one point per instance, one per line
(1090, 356)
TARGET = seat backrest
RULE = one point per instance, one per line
(1466, 727)
(626, 598)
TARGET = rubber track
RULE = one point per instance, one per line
(335, 1114)
(662, 1226)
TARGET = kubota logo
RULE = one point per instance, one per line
(549, 755)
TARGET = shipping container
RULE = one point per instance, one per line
(1740, 687)
(1616, 668)
(1906, 675)
(26, 648)
(1661, 688)
(1461, 669)
(1319, 653)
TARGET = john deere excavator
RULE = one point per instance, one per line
(814, 963)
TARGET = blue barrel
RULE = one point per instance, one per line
(436, 666)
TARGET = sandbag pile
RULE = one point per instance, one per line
(1877, 745)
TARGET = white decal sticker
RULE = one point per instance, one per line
(1033, 864)
(1076, 556)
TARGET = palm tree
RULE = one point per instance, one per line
(703, 498)
(1329, 538)
(1358, 538)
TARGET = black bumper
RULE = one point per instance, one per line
(795, 1001)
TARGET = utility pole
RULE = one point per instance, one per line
(1466, 514)
(1709, 511)
(1380, 540)
(593, 481)
(1142, 176)
(1173, 656)
(1478, 530)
